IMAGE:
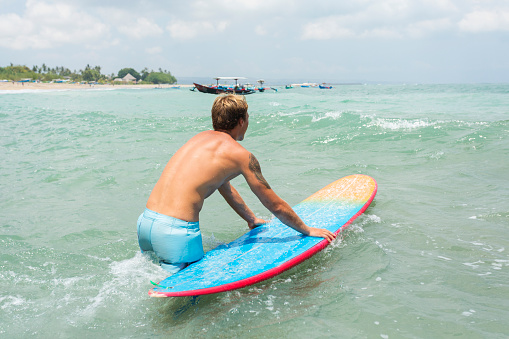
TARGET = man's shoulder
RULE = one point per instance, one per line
(228, 145)
(236, 148)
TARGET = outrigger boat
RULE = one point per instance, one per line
(219, 89)
(325, 86)
(262, 89)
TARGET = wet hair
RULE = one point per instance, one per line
(227, 111)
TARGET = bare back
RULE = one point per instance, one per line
(195, 171)
(208, 161)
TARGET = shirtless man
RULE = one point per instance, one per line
(206, 163)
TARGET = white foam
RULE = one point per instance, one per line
(326, 141)
(126, 276)
(67, 282)
(437, 155)
(210, 242)
(400, 124)
(444, 258)
(468, 313)
(473, 264)
(358, 225)
(328, 115)
(12, 301)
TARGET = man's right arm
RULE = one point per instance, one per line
(280, 208)
(236, 202)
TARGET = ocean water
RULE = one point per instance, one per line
(428, 259)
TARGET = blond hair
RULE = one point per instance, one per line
(227, 110)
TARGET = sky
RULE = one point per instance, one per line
(402, 41)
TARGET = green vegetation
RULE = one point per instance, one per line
(124, 71)
(160, 78)
(89, 74)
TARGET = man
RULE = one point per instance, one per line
(169, 226)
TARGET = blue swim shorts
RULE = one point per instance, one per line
(175, 242)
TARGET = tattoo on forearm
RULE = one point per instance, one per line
(254, 166)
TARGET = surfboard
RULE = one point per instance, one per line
(273, 248)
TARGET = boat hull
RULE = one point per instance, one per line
(222, 89)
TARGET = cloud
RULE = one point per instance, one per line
(142, 33)
(403, 19)
(260, 30)
(358, 25)
(45, 25)
(426, 27)
(485, 21)
(185, 30)
(154, 50)
(328, 28)
(377, 19)
(139, 28)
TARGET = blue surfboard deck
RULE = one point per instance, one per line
(270, 249)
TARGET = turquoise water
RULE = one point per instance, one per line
(428, 259)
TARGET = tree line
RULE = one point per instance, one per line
(88, 74)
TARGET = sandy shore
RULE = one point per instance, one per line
(9, 86)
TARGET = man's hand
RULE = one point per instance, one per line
(257, 222)
(322, 233)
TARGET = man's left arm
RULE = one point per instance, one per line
(236, 202)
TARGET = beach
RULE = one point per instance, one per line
(428, 259)
(15, 86)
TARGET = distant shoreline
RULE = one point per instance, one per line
(16, 86)
(10, 86)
